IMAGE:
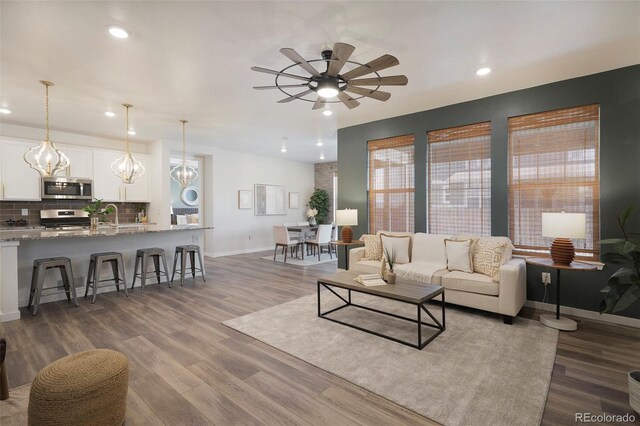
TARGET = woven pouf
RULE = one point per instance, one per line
(87, 388)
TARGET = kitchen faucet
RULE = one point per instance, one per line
(115, 207)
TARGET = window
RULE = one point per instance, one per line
(554, 166)
(459, 166)
(391, 184)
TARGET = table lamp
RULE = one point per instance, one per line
(561, 227)
(346, 218)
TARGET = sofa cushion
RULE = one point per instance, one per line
(419, 271)
(459, 255)
(472, 283)
(429, 248)
(489, 256)
(372, 247)
(400, 245)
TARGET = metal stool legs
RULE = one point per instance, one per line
(142, 260)
(95, 272)
(183, 251)
(40, 267)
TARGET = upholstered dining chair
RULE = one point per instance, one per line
(323, 238)
(294, 235)
(281, 236)
(334, 236)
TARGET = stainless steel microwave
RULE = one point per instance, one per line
(66, 188)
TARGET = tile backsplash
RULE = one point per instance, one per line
(13, 210)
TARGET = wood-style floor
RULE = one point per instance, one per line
(188, 368)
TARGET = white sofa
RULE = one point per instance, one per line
(428, 264)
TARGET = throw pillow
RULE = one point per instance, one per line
(399, 244)
(372, 247)
(487, 258)
(459, 255)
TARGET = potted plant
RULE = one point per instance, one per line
(97, 211)
(390, 258)
(320, 202)
(623, 287)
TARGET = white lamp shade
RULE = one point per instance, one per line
(347, 217)
(563, 225)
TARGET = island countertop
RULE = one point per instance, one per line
(107, 231)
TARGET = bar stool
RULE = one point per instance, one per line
(40, 267)
(95, 270)
(143, 255)
(191, 250)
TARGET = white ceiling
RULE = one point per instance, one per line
(192, 60)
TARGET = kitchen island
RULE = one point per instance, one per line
(19, 248)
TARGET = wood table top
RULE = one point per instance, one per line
(545, 261)
(403, 290)
(352, 243)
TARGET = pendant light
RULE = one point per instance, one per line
(45, 158)
(127, 167)
(183, 173)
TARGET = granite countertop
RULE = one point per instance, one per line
(105, 231)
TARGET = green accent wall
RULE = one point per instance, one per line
(618, 94)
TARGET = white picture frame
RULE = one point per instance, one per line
(294, 200)
(271, 200)
(245, 199)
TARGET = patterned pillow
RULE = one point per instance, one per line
(488, 256)
(372, 247)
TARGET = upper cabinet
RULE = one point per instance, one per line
(109, 187)
(18, 180)
(80, 161)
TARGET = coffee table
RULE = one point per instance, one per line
(411, 292)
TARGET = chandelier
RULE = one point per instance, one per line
(183, 173)
(127, 167)
(45, 158)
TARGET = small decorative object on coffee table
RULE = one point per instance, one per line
(390, 259)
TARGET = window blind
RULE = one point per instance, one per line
(459, 164)
(553, 167)
(391, 184)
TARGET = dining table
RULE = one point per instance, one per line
(305, 230)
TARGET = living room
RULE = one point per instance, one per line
(489, 140)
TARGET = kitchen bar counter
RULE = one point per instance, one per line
(102, 231)
(19, 248)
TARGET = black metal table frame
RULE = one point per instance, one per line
(420, 307)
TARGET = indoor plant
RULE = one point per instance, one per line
(320, 201)
(623, 287)
(390, 257)
(311, 215)
(96, 210)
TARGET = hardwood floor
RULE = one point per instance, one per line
(188, 368)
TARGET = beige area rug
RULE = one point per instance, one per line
(308, 260)
(479, 371)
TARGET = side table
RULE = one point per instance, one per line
(556, 321)
(347, 246)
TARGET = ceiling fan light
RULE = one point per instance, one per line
(327, 92)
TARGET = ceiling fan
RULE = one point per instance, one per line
(330, 83)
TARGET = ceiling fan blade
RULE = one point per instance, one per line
(392, 80)
(297, 59)
(286, 86)
(319, 103)
(369, 93)
(284, 74)
(339, 57)
(348, 100)
(298, 96)
(383, 62)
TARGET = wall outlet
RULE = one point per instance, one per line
(249, 236)
(195, 238)
(546, 278)
(25, 212)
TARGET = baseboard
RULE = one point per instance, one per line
(245, 251)
(11, 316)
(583, 313)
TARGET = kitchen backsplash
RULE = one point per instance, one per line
(13, 210)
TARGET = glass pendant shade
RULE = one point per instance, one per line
(45, 158)
(127, 168)
(183, 173)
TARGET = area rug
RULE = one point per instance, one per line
(308, 260)
(479, 371)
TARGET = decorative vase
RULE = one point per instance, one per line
(391, 277)
(634, 390)
(312, 221)
(383, 270)
(94, 222)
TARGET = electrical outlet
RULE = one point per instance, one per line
(25, 212)
(249, 236)
(195, 238)
(546, 278)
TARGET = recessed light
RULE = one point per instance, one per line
(132, 132)
(283, 149)
(5, 111)
(110, 114)
(327, 112)
(118, 32)
(322, 156)
(319, 143)
(483, 71)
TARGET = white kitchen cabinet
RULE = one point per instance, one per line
(80, 161)
(18, 180)
(109, 187)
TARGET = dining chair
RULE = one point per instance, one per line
(323, 238)
(334, 236)
(282, 238)
(292, 234)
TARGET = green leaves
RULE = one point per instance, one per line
(319, 200)
(626, 214)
